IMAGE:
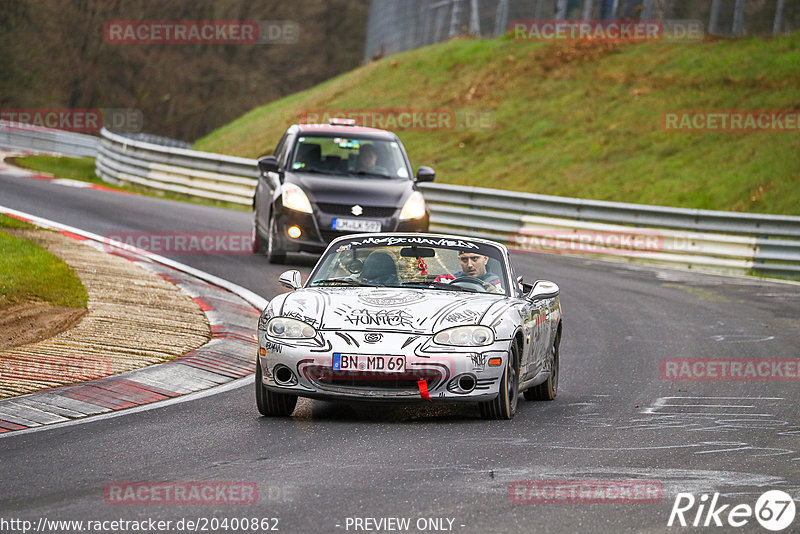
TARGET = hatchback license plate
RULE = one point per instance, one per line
(356, 225)
(383, 364)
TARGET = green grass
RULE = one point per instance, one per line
(30, 273)
(580, 120)
(6, 221)
(83, 169)
(64, 167)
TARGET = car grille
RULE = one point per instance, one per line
(325, 378)
(344, 209)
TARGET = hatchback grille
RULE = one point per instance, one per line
(345, 209)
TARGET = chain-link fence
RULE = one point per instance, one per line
(397, 25)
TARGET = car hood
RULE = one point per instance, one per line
(395, 309)
(380, 192)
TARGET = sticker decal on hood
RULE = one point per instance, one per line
(367, 317)
(391, 298)
(465, 316)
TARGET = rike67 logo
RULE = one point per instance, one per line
(774, 510)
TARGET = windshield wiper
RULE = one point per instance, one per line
(439, 285)
(316, 170)
(342, 281)
(367, 173)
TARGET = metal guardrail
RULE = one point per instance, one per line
(199, 174)
(695, 239)
(37, 139)
(706, 240)
(615, 212)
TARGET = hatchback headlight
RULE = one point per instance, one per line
(287, 328)
(295, 198)
(414, 208)
(465, 336)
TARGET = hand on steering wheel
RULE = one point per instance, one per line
(471, 280)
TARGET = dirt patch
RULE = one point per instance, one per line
(29, 322)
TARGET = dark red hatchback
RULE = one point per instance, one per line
(327, 180)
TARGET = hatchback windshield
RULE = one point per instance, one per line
(349, 156)
(445, 264)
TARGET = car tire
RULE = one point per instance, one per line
(275, 254)
(505, 405)
(271, 404)
(259, 244)
(547, 390)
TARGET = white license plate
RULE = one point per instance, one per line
(382, 364)
(356, 225)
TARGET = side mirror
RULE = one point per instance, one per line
(290, 279)
(543, 289)
(522, 287)
(268, 164)
(425, 174)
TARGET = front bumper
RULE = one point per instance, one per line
(317, 230)
(305, 368)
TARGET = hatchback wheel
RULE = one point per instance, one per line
(275, 254)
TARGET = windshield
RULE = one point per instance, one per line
(349, 156)
(432, 263)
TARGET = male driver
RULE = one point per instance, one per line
(474, 266)
(368, 161)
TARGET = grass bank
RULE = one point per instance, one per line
(580, 119)
(28, 272)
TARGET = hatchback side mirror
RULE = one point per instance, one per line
(290, 279)
(425, 174)
(268, 164)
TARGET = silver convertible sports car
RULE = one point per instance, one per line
(407, 318)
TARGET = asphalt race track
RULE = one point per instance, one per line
(443, 468)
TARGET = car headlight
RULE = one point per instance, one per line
(465, 336)
(414, 208)
(287, 328)
(294, 198)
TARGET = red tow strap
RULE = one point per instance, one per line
(423, 390)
